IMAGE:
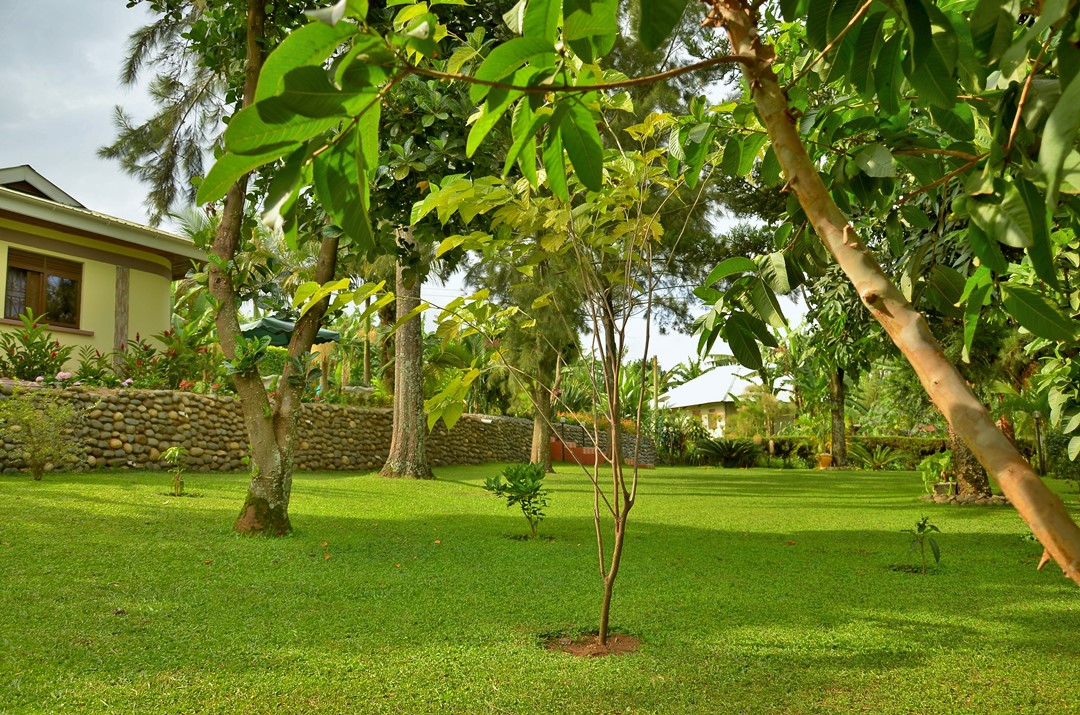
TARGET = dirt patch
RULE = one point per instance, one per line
(588, 646)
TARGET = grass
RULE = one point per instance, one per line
(753, 592)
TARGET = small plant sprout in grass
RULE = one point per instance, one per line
(521, 484)
(921, 536)
(174, 457)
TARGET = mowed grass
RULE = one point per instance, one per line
(752, 591)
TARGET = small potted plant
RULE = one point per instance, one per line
(937, 474)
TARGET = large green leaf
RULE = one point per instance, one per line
(1036, 313)
(270, 125)
(228, 169)
(1039, 251)
(581, 139)
(972, 311)
(498, 101)
(987, 249)
(590, 27)
(729, 267)
(340, 179)
(864, 55)
(887, 75)
(308, 45)
(1059, 136)
(876, 160)
(555, 164)
(541, 19)
(309, 93)
(741, 338)
(657, 19)
(1009, 221)
(506, 59)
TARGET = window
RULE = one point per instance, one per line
(48, 286)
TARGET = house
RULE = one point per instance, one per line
(711, 398)
(96, 279)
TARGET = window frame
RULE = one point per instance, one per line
(45, 266)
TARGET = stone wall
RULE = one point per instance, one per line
(131, 428)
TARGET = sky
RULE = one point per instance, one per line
(59, 83)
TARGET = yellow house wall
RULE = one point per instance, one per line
(149, 304)
(148, 312)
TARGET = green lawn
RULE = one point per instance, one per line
(753, 592)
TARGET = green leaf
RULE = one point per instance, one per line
(498, 101)
(774, 271)
(228, 169)
(1039, 251)
(555, 164)
(1036, 313)
(340, 179)
(1074, 448)
(972, 311)
(729, 164)
(817, 24)
(541, 19)
(590, 27)
(657, 20)
(987, 249)
(887, 74)
(740, 337)
(308, 45)
(865, 52)
(729, 267)
(766, 305)
(582, 142)
(876, 160)
(1008, 222)
(958, 122)
(309, 93)
(1059, 136)
(506, 59)
(270, 125)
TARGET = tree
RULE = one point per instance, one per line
(900, 44)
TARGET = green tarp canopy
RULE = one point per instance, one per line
(280, 331)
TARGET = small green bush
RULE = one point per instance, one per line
(522, 485)
(731, 453)
(41, 424)
(936, 468)
(879, 458)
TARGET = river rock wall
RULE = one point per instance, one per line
(132, 428)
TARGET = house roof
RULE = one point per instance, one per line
(27, 196)
(721, 384)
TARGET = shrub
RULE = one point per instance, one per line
(878, 458)
(40, 424)
(522, 484)
(31, 352)
(731, 453)
(936, 468)
(95, 368)
(174, 457)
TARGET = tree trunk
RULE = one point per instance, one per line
(408, 456)
(1043, 511)
(971, 478)
(270, 428)
(387, 315)
(839, 432)
(541, 436)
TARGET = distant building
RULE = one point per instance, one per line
(711, 398)
(96, 280)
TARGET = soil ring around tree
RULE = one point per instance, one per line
(587, 645)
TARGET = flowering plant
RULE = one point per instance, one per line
(31, 351)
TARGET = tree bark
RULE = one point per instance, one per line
(387, 314)
(541, 435)
(408, 455)
(839, 431)
(269, 427)
(1043, 511)
(971, 478)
